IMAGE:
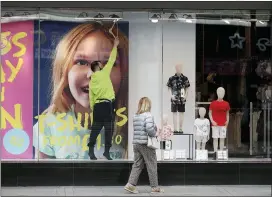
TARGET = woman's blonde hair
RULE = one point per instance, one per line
(144, 105)
(61, 98)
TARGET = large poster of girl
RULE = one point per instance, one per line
(61, 100)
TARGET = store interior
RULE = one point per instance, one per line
(223, 54)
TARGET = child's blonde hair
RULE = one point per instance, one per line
(61, 98)
(144, 105)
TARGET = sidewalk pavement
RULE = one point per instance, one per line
(235, 190)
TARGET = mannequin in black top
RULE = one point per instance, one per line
(179, 86)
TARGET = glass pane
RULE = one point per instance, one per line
(179, 84)
(70, 43)
(234, 55)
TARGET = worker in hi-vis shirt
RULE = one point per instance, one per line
(102, 97)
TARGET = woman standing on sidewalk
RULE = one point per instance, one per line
(143, 126)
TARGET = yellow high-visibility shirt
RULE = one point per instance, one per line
(100, 85)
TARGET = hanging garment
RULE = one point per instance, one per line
(231, 131)
(255, 118)
(264, 123)
(263, 69)
(238, 117)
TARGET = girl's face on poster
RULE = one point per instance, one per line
(95, 47)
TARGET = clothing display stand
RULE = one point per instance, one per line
(222, 155)
(187, 147)
(159, 154)
(168, 155)
(181, 154)
(201, 155)
(166, 145)
(166, 150)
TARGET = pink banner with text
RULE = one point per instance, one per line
(17, 90)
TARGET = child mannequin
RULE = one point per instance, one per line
(219, 116)
(201, 129)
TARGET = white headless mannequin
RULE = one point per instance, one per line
(202, 113)
(220, 95)
(178, 68)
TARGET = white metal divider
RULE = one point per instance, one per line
(264, 128)
(268, 130)
(251, 129)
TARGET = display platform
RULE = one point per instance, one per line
(100, 173)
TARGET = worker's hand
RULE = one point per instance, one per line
(89, 74)
(116, 42)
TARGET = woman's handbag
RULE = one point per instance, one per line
(153, 142)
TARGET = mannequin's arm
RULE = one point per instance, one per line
(209, 128)
(195, 129)
(169, 85)
(210, 115)
(187, 86)
(172, 96)
(186, 92)
(227, 122)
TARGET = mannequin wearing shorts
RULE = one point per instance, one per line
(178, 84)
(219, 116)
(202, 130)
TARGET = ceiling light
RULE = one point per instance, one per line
(114, 16)
(26, 13)
(188, 18)
(83, 15)
(155, 18)
(173, 17)
(8, 14)
(99, 16)
(226, 21)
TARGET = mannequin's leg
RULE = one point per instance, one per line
(215, 144)
(175, 118)
(197, 145)
(181, 118)
(215, 136)
(222, 143)
(203, 145)
(222, 137)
